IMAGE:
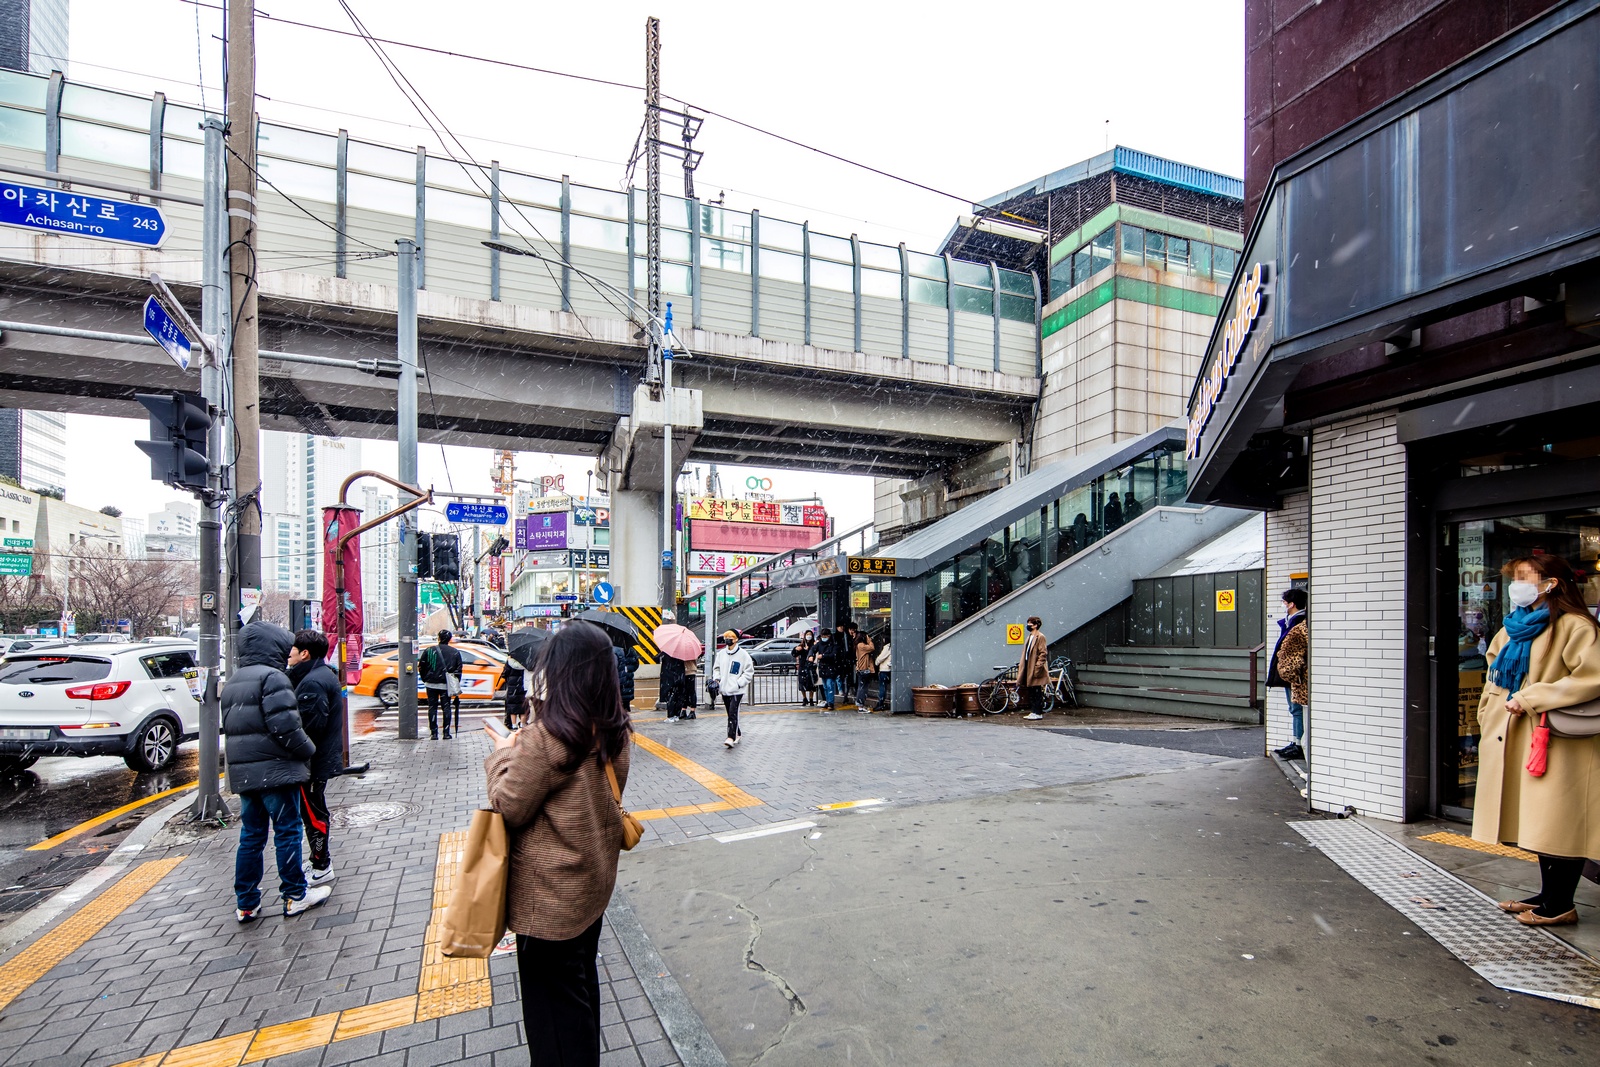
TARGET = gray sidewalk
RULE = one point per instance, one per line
(175, 971)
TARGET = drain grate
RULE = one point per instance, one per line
(1507, 954)
(370, 814)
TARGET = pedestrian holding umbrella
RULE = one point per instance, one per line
(679, 647)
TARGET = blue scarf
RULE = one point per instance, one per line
(1511, 665)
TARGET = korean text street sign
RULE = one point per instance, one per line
(168, 334)
(73, 213)
(487, 514)
(15, 564)
(872, 565)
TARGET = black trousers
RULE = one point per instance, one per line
(435, 698)
(1035, 697)
(560, 983)
(732, 704)
(1558, 884)
(314, 813)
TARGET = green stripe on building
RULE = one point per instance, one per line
(1137, 290)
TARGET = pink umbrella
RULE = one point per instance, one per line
(677, 641)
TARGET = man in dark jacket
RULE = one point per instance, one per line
(627, 665)
(439, 664)
(268, 752)
(322, 716)
(1294, 606)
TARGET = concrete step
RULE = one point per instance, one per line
(1167, 701)
(1198, 658)
(1219, 681)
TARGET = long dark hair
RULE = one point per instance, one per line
(581, 705)
(1566, 598)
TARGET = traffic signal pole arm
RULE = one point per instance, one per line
(419, 497)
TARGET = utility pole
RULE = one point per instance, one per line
(658, 372)
(242, 233)
(406, 412)
(208, 804)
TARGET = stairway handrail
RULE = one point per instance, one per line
(816, 551)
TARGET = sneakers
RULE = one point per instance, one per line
(727, 742)
(249, 915)
(317, 894)
(738, 737)
(1292, 751)
(672, 718)
(316, 877)
(1033, 715)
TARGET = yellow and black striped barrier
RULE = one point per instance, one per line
(646, 619)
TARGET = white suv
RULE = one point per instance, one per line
(128, 700)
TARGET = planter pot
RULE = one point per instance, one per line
(931, 702)
(967, 700)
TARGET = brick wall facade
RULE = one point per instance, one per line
(1288, 552)
(1358, 540)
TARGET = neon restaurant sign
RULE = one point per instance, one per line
(1249, 301)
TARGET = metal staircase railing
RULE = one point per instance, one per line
(776, 572)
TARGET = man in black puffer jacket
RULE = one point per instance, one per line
(267, 753)
(322, 716)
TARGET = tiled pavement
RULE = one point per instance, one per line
(175, 970)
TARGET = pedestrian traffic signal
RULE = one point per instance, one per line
(424, 555)
(180, 424)
(446, 558)
(499, 546)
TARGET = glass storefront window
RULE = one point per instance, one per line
(1480, 548)
(1223, 263)
(1200, 258)
(1155, 250)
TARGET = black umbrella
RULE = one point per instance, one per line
(524, 645)
(614, 621)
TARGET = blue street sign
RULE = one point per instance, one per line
(602, 593)
(666, 558)
(566, 598)
(168, 334)
(487, 514)
(62, 211)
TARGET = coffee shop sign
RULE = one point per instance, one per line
(1249, 300)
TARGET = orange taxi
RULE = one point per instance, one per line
(481, 665)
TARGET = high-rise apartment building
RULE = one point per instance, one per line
(380, 558)
(300, 475)
(173, 532)
(33, 35)
(33, 448)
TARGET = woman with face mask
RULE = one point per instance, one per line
(1546, 656)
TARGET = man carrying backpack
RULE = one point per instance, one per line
(440, 663)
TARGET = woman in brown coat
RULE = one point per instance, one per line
(1547, 656)
(549, 783)
(1033, 669)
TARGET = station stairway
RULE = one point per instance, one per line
(780, 586)
(1195, 683)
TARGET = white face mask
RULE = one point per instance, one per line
(1522, 593)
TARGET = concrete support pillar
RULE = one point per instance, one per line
(635, 537)
(908, 618)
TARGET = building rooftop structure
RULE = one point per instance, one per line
(1064, 200)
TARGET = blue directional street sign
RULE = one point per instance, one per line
(69, 212)
(666, 558)
(168, 334)
(602, 593)
(487, 514)
(566, 598)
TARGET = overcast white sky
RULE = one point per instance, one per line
(970, 99)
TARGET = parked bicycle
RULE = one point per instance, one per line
(1001, 693)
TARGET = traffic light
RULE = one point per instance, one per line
(424, 555)
(499, 546)
(446, 558)
(179, 426)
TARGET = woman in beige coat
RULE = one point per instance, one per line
(550, 784)
(1547, 656)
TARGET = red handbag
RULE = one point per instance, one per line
(1539, 750)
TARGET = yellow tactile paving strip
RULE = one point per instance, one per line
(444, 987)
(29, 965)
(729, 795)
(1445, 837)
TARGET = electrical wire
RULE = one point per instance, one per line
(613, 84)
(303, 209)
(430, 116)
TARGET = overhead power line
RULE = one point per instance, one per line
(753, 127)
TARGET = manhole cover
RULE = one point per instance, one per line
(368, 814)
